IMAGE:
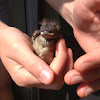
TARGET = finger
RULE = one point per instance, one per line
(92, 4)
(21, 76)
(59, 63)
(37, 67)
(88, 61)
(69, 66)
(25, 79)
(18, 73)
(70, 62)
(90, 75)
(74, 77)
(60, 59)
(87, 88)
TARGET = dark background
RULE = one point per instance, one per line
(25, 15)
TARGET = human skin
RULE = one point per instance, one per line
(27, 69)
(84, 17)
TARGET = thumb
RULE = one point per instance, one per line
(88, 61)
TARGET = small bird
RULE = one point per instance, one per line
(44, 40)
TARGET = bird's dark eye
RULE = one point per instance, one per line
(51, 31)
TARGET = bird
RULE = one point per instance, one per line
(44, 40)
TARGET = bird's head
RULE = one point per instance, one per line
(49, 29)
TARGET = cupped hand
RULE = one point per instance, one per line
(86, 26)
(27, 69)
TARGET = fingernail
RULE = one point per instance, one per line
(76, 79)
(88, 91)
(71, 59)
(63, 44)
(45, 76)
(86, 66)
(70, 52)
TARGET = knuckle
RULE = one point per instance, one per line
(18, 83)
(15, 46)
(32, 67)
(21, 82)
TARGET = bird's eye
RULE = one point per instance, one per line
(51, 31)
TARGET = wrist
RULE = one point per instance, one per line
(67, 12)
(64, 8)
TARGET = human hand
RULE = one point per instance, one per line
(86, 26)
(25, 68)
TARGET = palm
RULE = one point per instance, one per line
(88, 41)
(87, 25)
